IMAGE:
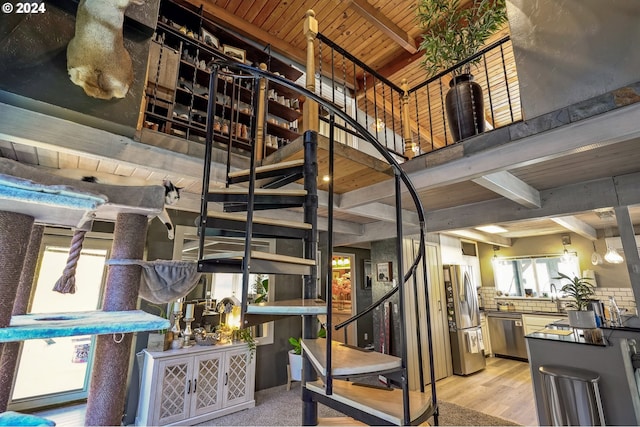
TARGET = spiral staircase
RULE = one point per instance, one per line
(331, 370)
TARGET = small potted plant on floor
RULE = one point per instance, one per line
(581, 292)
(295, 355)
(452, 32)
(295, 359)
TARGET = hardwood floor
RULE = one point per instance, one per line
(503, 390)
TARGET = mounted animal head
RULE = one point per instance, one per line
(96, 58)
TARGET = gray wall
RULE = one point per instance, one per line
(571, 50)
(385, 251)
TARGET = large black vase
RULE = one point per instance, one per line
(464, 107)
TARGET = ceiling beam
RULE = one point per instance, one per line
(373, 232)
(574, 198)
(507, 185)
(384, 24)
(625, 226)
(478, 236)
(579, 227)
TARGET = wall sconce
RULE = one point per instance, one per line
(566, 256)
(495, 259)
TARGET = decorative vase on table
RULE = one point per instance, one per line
(464, 105)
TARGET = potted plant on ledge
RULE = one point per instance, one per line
(581, 291)
(452, 33)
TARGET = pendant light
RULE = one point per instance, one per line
(566, 256)
(495, 258)
(612, 256)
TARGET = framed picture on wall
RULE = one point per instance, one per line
(384, 272)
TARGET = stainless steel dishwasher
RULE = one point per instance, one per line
(507, 335)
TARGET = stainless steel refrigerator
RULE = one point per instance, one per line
(463, 314)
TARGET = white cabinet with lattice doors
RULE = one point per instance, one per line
(195, 384)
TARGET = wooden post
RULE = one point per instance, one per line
(406, 123)
(261, 131)
(310, 110)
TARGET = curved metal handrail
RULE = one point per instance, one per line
(398, 172)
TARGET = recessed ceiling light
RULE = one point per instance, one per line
(494, 229)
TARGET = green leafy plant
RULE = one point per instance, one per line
(453, 33)
(295, 343)
(247, 336)
(262, 288)
(579, 289)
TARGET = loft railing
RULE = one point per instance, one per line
(408, 119)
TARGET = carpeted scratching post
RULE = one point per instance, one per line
(15, 230)
(106, 400)
(11, 351)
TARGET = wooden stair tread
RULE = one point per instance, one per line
(258, 191)
(268, 168)
(262, 255)
(292, 306)
(382, 403)
(259, 220)
(348, 360)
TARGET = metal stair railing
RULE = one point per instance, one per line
(401, 178)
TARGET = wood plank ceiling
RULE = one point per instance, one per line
(382, 34)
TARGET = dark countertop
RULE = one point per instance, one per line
(576, 337)
(629, 323)
(542, 313)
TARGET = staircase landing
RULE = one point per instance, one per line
(382, 403)
(347, 360)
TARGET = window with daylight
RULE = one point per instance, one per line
(532, 276)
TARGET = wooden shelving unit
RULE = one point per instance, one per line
(177, 97)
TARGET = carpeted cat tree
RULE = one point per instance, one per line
(29, 195)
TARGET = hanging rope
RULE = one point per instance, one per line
(66, 284)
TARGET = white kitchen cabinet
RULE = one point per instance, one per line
(450, 250)
(195, 384)
(537, 322)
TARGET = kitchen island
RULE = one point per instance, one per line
(610, 359)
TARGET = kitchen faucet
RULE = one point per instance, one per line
(556, 299)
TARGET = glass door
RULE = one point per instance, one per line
(343, 296)
(57, 370)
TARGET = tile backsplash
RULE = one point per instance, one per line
(624, 297)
